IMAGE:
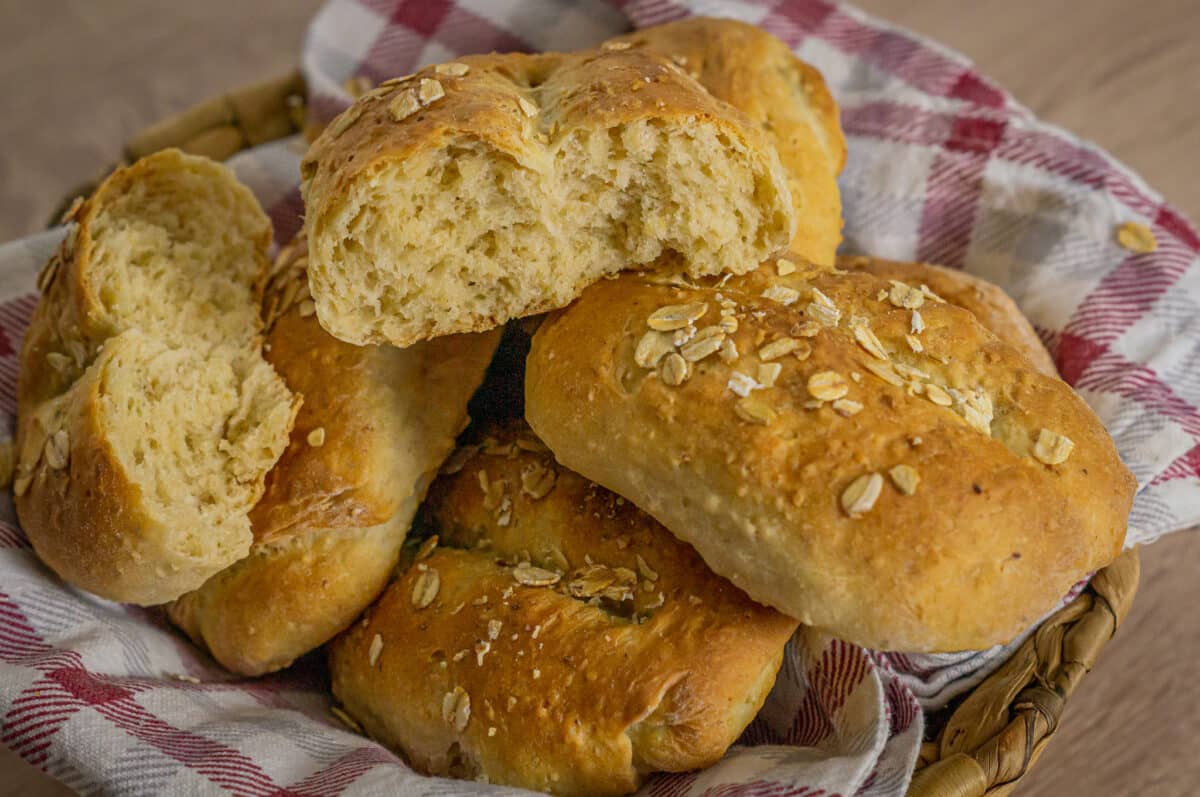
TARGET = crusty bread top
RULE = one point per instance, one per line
(994, 308)
(597, 647)
(756, 73)
(376, 421)
(797, 492)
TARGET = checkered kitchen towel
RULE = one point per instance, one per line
(943, 166)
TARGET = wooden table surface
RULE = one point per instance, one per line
(80, 77)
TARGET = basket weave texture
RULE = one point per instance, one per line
(993, 736)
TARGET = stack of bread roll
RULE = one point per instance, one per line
(702, 428)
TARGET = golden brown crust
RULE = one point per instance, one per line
(290, 596)
(756, 73)
(992, 537)
(566, 694)
(386, 416)
(994, 308)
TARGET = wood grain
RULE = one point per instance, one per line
(82, 76)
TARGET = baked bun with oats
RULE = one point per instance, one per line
(500, 186)
(855, 452)
(147, 417)
(376, 424)
(551, 636)
(756, 73)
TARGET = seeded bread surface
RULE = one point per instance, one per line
(554, 637)
(856, 453)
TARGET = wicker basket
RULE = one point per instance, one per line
(986, 741)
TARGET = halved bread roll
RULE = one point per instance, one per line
(756, 73)
(376, 424)
(501, 186)
(554, 637)
(858, 454)
(147, 418)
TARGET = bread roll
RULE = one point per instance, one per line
(147, 418)
(861, 456)
(989, 303)
(556, 638)
(500, 186)
(756, 73)
(376, 424)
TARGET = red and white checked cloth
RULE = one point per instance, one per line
(943, 166)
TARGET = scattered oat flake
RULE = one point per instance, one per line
(682, 336)
(782, 294)
(456, 708)
(316, 438)
(615, 45)
(869, 341)
(454, 69)
(347, 118)
(862, 493)
(884, 371)
(375, 649)
(425, 588)
(809, 329)
(1137, 238)
(645, 570)
(905, 478)
(742, 384)
(754, 411)
(674, 369)
(430, 91)
(914, 343)
(768, 373)
(651, 348)
(938, 395)
(905, 296)
(706, 342)
(846, 407)
(426, 548)
(58, 450)
(1052, 448)
(404, 105)
(827, 385)
(530, 576)
(729, 351)
(676, 316)
(493, 628)
(784, 267)
(538, 480)
(918, 323)
(777, 348)
(728, 324)
(491, 730)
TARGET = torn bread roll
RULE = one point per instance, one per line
(376, 424)
(500, 186)
(864, 457)
(756, 73)
(551, 636)
(147, 417)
